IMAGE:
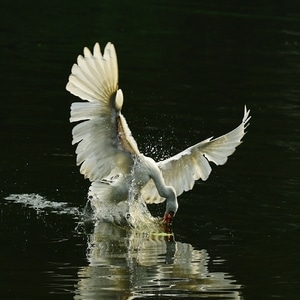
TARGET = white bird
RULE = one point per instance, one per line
(109, 156)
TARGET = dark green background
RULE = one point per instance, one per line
(186, 70)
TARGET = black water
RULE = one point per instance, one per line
(186, 68)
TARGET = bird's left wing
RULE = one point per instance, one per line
(104, 140)
(182, 170)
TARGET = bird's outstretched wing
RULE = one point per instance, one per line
(182, 170)
(104, 140)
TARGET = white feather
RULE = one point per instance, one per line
(95, 78)
(182, 170)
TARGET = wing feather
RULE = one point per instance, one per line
(99, 137)
(182, 170)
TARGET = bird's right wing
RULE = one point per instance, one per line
(182, 170)
(104, 140)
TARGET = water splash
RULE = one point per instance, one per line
(41, 205)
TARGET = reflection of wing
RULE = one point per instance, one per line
(104, 139)
(182, 170)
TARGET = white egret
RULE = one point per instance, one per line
(109, 156)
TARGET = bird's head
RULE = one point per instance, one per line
(171, 206)
(168, 218)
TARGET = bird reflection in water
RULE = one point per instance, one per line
(127, 264)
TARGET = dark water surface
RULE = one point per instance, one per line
(186, 70)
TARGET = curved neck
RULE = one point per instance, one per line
(164, 191)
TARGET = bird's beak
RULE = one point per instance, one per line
(168, 218)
